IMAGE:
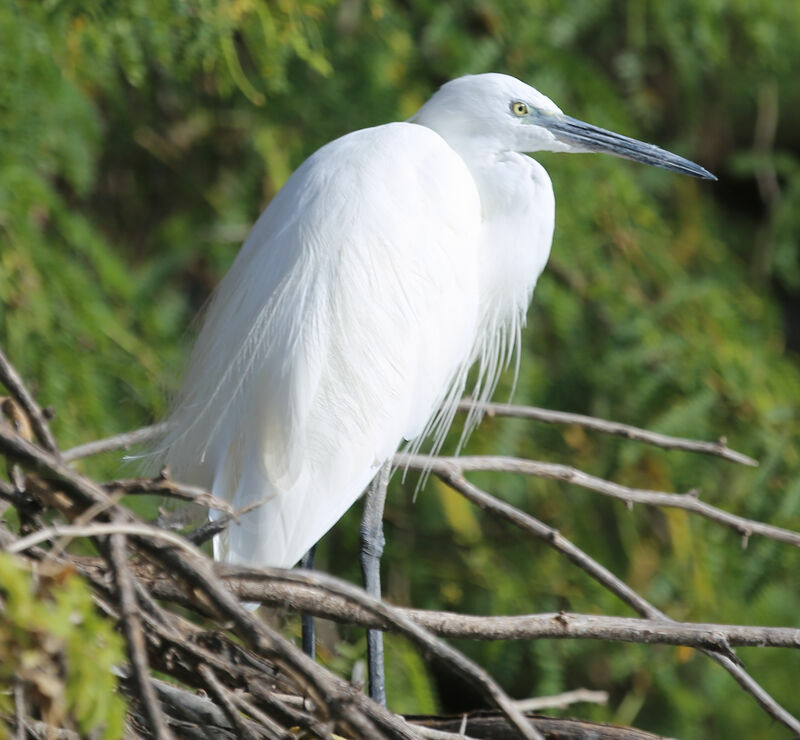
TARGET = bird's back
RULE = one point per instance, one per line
(344, 323)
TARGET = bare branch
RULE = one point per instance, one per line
(209, 530)
(132, 625)
(220, 693)
(553, 471)
(533, 413)
(11, 379)
(123, 441)
(460, 663)
(165, 486)
(330, 602)
(41, 731)
(563, 545)
(566, 699)
(492, 727)
(236, 665)
(719, 448)
(98, 529)
(429, 733)
(552, 537)
(191, 707)
(272, 728)
(20, 712)
(213, 527)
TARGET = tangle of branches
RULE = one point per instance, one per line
(226, 673)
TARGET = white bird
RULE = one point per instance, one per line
(393, 260)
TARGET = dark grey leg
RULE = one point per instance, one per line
(372, 543)
(307, 562)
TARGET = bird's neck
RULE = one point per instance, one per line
(518, 215)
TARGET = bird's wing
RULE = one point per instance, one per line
(337, 333)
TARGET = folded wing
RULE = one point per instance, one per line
(344, 323)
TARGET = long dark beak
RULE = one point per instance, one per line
(587, 138)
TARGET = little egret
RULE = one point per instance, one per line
(393, 260)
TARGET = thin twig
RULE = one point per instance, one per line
(11, 379)
(85, 518)
(719, 448)
(20, 712)
(118, 442)
(235, 664)
(429, 733)
(164, 486)
(11, 412)
(220, 693)
(533, 413)
(552, 537)
(560, 701)
(281, 706)
(132, 626)
(209, 530)
(213, 527)
(13, 495)
(272, 728)
(189, 705)
(32, 728)
(553, 471)
(98, 529)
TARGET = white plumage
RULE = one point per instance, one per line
(393, 259)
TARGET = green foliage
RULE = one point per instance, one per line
(143, 138)
(407, 679)
(55, 643)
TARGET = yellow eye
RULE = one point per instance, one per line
(519, 109)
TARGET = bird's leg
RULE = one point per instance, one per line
(307, 562)
(372, 542)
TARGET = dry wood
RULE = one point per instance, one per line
(261, 685)
(165, 486)
(330, 602)
(11, 379)
(131, 622)
(486, 726)
(719, 448)
(118, 442)
(689, 501)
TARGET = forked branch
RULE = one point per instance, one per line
(689, 501)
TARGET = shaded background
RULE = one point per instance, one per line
(141, 139)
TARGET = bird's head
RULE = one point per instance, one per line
(491, 113)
